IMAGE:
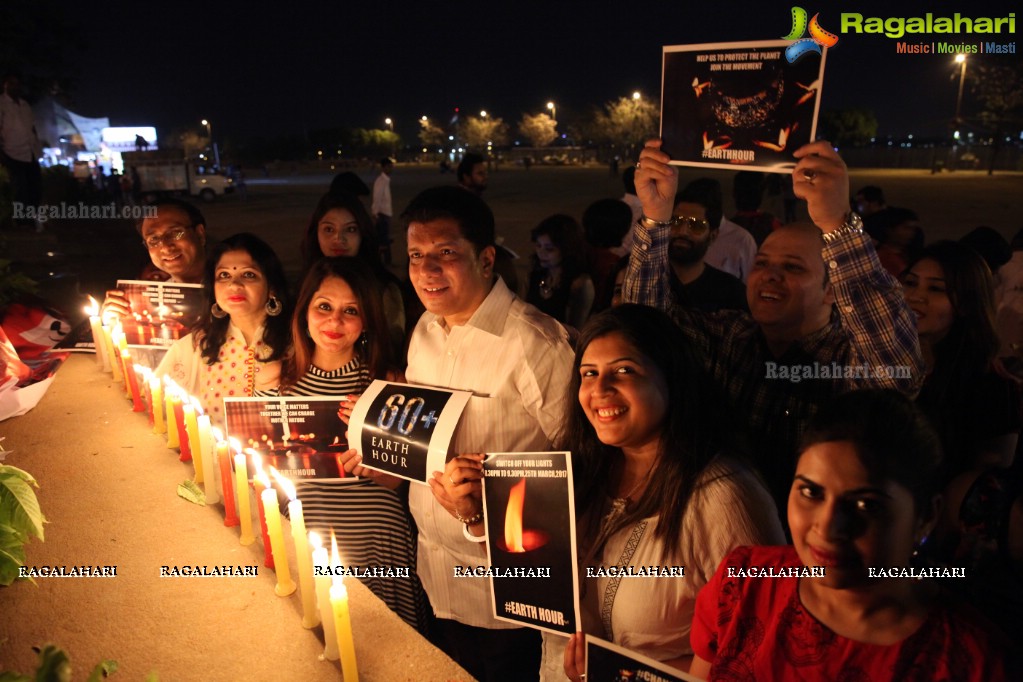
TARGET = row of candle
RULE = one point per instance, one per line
(172, 411)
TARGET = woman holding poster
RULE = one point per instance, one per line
(236, 346)
(656, 488)
(340, 340)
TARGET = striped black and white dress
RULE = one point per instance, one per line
(372, 524)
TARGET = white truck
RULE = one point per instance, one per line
(166, 173)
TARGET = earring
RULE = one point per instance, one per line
(274, 307)
(218, 312)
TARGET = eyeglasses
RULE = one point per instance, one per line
(696, 226)
(167, 237)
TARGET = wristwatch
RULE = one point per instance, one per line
(853, 225)
(650, 223)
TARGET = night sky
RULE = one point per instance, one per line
(304, 66)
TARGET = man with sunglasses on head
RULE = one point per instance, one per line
(697, 284)
(176, 240)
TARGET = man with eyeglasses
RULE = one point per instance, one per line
(176, 241)
(697, 284)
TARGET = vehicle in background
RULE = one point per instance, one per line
(166, 173)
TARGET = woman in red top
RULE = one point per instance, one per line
(864, 497)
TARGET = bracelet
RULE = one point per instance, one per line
(470, 521)
(853, 225)
(650, 223)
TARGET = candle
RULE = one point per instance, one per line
(98, 342)
(272, 514)
(206, 450)
(310, 616)
(257, 483)
(133, 382)
(179, 419)
(172, 405)
(321, 560)
(156, 403)
(224, 470)
(192, 429)
(120, 346)
(115, 365)
(241, 478)
(342, 619)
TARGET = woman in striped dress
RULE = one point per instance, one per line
(341, 344)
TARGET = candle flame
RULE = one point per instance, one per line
(335, 560)
(513, 518)
(218, 435)
(92, 310)
(197, 405)
(235, 444)
(257, 459)
(286, 485)
(315, 541)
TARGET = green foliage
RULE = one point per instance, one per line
(480, 132)
(848, 127)
(540, 129)
(55, 666)
(375, 141)
(20, 519)
(431, 135)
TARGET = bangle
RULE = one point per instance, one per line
(853, 225)
(650, 223)
(473, 538)
(471, 520)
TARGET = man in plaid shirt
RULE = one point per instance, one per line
(824, 318)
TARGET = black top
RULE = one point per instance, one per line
(712, 291)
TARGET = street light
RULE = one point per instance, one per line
(483, 113)
(961, 60)
(209, 134)
(390, 124)
(554, 111)
(636, 96)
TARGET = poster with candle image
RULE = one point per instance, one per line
(529, 507)
(607, 662)
(301, 436)
(739, 105)
(406, 430)
(161, 312)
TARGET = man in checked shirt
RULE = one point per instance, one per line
(824, 318)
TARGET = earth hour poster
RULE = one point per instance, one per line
(739, 105)
(160, 312)
(300, 436)
(406, 430)
(529, 507)
(607, 662)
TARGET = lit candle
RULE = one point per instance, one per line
(257, 483)
(224, 470)
(272, 514)
(133, 382)
(188, 409)
(96, 324)
(310, 616)
(241, 479)
(180, 400)
(342, 619)
(120, 346)
(115, 365)
(206, 450)
(322, 561)
(156, 403)
(172, 405)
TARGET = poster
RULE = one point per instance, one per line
(161, 312)
(406, 430)
(529, 507)
(607, 662)
(300, 436)
(738, 105)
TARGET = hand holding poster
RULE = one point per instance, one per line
(405, 430)
(529, 507)
(607, 662)
(161, 312)
(738, 105)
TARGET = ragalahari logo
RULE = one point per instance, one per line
(818, 36)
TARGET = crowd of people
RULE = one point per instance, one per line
(735, 395)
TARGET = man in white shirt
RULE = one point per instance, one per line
(476, 335)
(19, 144)
(381, 208)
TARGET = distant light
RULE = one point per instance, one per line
(636, 95)
(956, 134)
(423, 119)
(451, 137)
(550, 105)
(424, 150)
(205, 122)
(483, 113)
(911, 136)
(960, 58)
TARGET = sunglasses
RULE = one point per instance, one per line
(696, 226)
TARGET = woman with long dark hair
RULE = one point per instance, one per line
(559, 283)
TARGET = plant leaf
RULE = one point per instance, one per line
(102, 671)
(12, 557)
(191, 492)
(54, 665)
(19, 506)
(14, 677)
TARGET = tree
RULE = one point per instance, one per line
(540, 129)
(998, 86)
(375, 141)
(483, 131)
(431, 135)
(848, 127)
(627, 122)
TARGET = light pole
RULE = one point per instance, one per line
(961, 60)
(554, 111)
(209, 134)
(390, 124)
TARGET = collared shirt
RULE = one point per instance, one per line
(871, 329)
(733, 250)
(382, 196)
(17, 129)
(517, 362)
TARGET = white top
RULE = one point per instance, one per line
(653, 616)
(18, 138)
(382, 196)
(733, 251)
(636, 206)
(517, 362)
